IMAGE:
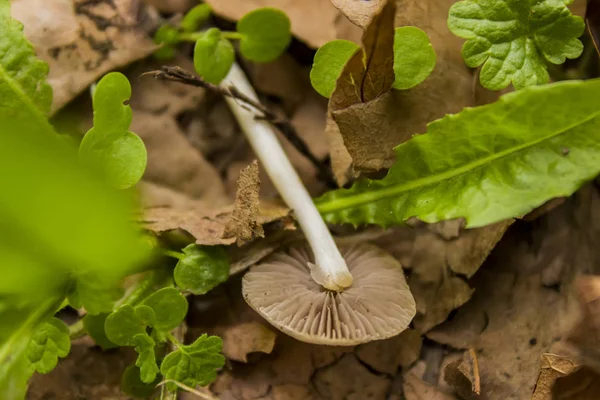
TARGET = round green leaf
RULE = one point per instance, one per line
(94, 326)
(132, 385)
(329, 63)
(213, 56)
(202, 268)
(265, 34)
(122, 325)
(195, 17)
(121, 156)
(414, 57)
(170, 308)
(146, 314)
(110, 112)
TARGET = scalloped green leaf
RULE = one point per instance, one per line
(414, 57)
(194, 365)
(514, 38)
(485, 164)
(50, 341)
(213, 56)
(170, 308)
(146, 361)
(328, 64)
(201, 268)
(265, 34)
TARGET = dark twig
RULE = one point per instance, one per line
(177, 74)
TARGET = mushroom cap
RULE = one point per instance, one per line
(378, 305)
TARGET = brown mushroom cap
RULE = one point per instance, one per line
(378, 305)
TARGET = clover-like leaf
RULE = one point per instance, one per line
(94, 326)
(414, 57)
(329, 63)
(194, 18)
(485, 164)
(109, 146)
(123, 324)
(132, 384)
(202, 268)
(169, 306)
(50, 341)
(146, 361)
(265, 34)
(196, 364)
(213, 56)
(513, 38)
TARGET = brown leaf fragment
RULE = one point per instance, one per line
(552, 367)
(357, 11)
(463, 374)
(82, 40)
(243, 222)
(240, 340)
(585, 336)
(388, 355)
(582, 384)
(416, 389)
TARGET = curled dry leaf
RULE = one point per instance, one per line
(240, 340)
(82, 40)
(552, 367)
(463, 374)
(243, 223)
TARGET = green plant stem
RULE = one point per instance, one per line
(190, 36)
(174, 254)
(76, 330)
(174, 341)
(232, 35)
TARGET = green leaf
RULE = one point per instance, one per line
(194, 18)
(146, 315)
(170, 308)
(96, 296)
(213, 56)
(109, 146)
(122, 325)
(194, 365)
(94, 326)
(512, 38)
(168, 37)
(485, 164)
(414, 57)
(50, 341)
(328, 64)
(146, 361)
(132, 385)
(202, 268)
(265, 34)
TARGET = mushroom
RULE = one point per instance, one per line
(310, 293)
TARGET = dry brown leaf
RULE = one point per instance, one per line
(243, 223)
(240, 340)
(583, 384)
(357, 11)
(388, 355)
(313, 21)
(82, 40)
(463, 374)
(153, 195)
(416, 389)
(552, 367)
(586, 335)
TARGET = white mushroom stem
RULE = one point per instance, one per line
(330, 270)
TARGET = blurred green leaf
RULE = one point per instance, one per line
(213, 56)
(94, 326)
(329, 63)
(168, 37)
(194, 365)
(265, 34)
(485, 164)
(414, 57)
(132, 384)
(170, 308)
(195, 18)
(50, 341)
(201, 268)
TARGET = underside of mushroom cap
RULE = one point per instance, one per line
(378, 305)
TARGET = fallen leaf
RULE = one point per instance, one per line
(386, 356)
(585, 336)
(357, 11)
(153, 195)
(583, 384)
(552, 367)
(244, 257)
(243, 224)
(313, 21)
(239, 341)
(416, 389)
(463, 374)
(82, 40)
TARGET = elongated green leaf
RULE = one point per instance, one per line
(512, 38)
(485, 164)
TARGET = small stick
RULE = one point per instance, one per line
(177, 74)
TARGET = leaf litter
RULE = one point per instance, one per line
(509, 321)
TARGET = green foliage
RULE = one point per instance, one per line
(201, 268)
(514, 38)
(194, 365)
(485, 164)
(265, 34)
(94, 326)
(213, 56)
(414, 57)
(146, 361)
(168, 37)
(109, 146)
(132, 384)
(123, 324)
(96, 296)
(169, 306)
(329, 63)
(195, 18)
(50, 341)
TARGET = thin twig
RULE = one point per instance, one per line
(205, 396)
(177, 74)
